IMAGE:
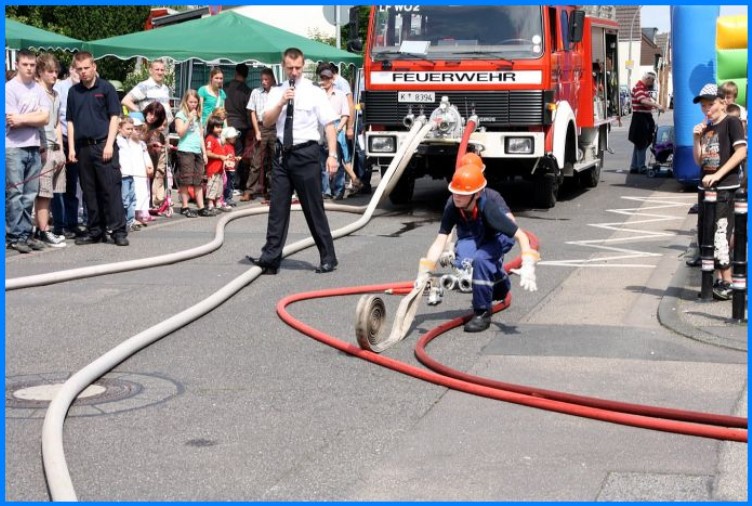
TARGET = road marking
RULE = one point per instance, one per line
(656, 203)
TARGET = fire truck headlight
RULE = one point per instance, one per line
(518, 145)
(382, 144)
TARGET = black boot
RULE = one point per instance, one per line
(480, 322)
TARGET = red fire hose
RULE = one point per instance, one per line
(472, 122)
(721, 427)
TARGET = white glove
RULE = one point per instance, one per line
(527, 271)
(424, 271)
(447, 258)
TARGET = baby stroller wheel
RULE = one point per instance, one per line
(651, 172)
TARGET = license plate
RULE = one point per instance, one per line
(416, 97)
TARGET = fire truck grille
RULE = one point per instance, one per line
(494, 108)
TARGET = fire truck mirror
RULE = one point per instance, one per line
(576, 26)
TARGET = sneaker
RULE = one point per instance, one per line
(231, 203)
(235, 193)
(52, 240)
(722, 290)
(134, 227)
(21, 247)
(205, 212)
(188, 212)
(225, 208)
(35, 244)
(480, 322)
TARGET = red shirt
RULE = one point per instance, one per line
(215, 165)
(230, 152)
(640, 92)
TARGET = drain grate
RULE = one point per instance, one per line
(28, 396)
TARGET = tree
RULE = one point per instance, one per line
(87, 23)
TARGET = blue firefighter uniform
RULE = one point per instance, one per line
(484, 235)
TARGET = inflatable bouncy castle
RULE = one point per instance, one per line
(706, 49)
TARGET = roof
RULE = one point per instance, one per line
(227, 36)
(625, 16)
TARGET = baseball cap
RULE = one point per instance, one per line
(325, 72)
(229, 133)
(709, 92)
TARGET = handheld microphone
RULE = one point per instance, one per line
(289, 102)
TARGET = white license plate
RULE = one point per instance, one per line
(416, 97)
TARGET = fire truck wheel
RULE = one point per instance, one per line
(591, 177)
(403, 190)
(546, 191)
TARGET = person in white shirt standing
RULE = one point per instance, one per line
(151, 90)
(298, 108)
(266, 140)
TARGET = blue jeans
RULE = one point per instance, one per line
(337, 185)
(638, 158)
(65, 205)
(22, 169)
(227, 194)
(129, 199)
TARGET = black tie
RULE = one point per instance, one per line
(287, 139)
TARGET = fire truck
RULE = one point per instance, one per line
(540, 82)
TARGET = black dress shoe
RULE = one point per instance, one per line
(265, 268)
(120, 241)
(326, 267)
(480, 322)
(88, 239)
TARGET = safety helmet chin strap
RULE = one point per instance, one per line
(474, 212)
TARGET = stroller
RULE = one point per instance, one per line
(662, 152)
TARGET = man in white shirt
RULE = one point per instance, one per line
(153, 89)
(296, 164)
(266, 140)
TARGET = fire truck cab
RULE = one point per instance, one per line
(540, 81)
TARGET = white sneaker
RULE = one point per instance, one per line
(52, 240)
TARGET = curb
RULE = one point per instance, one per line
(670, 307)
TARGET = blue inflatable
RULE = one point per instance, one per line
(693, 45)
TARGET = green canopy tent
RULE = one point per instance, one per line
(21, 36)
(227, 36)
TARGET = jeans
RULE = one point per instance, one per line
(129, 199)
(65, 205)
(638, 159)
(335, 185)
(22, 169)
(229, 185)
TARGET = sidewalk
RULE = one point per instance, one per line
(682, 311)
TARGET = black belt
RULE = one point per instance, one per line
(296, 147)
(54, 147)
(88, 141)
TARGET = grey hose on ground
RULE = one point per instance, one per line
(53, 454)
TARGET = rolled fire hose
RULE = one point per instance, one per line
(53, 454)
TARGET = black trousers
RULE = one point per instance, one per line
(101, 184)
(299, 171)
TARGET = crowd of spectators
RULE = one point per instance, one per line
(95, 170)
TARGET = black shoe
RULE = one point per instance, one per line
(121, 241)
(89, 239)
(480, 322)
(265, 268)
(326, 267)
(722, 290)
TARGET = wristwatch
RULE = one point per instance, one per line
(333, 156)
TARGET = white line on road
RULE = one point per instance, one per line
(656, 203)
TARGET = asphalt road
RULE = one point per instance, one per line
(239, 406)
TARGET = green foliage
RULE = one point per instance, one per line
(87, 23)
(135, 77)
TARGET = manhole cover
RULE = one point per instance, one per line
(28, 396)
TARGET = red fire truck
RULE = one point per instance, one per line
(540, 80)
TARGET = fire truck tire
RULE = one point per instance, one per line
(591, 177)
(546, 191)
(403, 191)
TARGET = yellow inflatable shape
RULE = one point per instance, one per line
(731, 32)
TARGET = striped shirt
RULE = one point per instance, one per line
(639, 93)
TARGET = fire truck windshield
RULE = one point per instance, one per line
(473, 32)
